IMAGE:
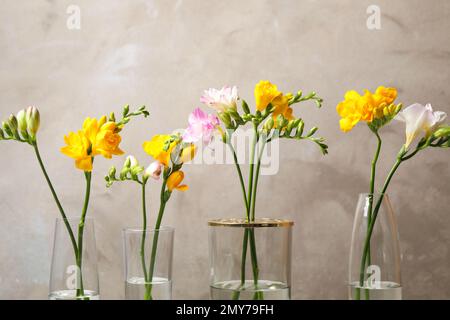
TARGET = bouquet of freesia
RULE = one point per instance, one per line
(378, 109)
(169, 152)
(273, 118)
(97, 137)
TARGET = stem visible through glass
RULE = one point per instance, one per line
(80, 290)
(163, 201)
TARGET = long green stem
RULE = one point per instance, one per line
(163, 201)
(255, 188)
(241, 179)
(144, 234)
(374, 217)
(55, 197)
(80, 290)
(369, 211)
(252, 165)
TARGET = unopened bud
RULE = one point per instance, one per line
(7, 129)
(33, 121)
(442, 132)
(112, 173)
(268, 125)
(225, 118)
(154, 171)
(300, 127)
(22, 122)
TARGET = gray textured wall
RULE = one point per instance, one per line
(163, 54)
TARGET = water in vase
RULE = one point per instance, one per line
(266, 289)
(72, 295)
(384, 290)
(135, 288)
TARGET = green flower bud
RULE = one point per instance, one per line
(33, 121)
(2, 135)
(245, 107)
(124, 173)
(312, 131)
(135, 171)
(235, 115)
(22, 122)
(13, 125)
(126, 110)
(268, 125)
(112, 117)
(225, 118)
(300, 127)
(280, 121)
(442, 132)
(290, 126)
(112, 173)
(7, 129)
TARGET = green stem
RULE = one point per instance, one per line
(55, 197)
(88, 176)
(374, 217)
(255, 188)
(144, 234)
(163, 201)
(252, 165)
(371, 195)
(241, 179)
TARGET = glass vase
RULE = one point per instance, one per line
(250, 260)
(148, 256)
(374, 268)
(74, 276)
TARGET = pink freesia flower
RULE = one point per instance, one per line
(201, 127)
(220, 99)
(154, 170)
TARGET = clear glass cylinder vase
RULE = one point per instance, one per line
(374, 268)
(148, 256)
(250, 260)
(74, 269)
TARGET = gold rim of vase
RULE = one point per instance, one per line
(258, 223)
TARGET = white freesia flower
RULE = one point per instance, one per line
(420, 119)
(221, 99)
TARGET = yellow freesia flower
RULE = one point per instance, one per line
(78, 148)
(174, 181)
(368, 107)
(107, 141)
(281, 104)
(188, 153)
(265, 93)
(97, 137)
(155, 148)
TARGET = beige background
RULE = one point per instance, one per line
(163, 54)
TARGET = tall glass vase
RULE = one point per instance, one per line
(148, 256)
(374, 271)
(250, 260)
(74, 276)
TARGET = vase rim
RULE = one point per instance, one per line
(140, 229)
(257, 223)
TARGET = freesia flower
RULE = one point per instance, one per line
(420, 119)
(188, 153)
(265, 93)
(221, 99)
(155, 148)
(154, 170)
(97, 137)
(281, 104)
(77, 148)
(366, 108)
(174, 181)
(107, 141)
(201, 127)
